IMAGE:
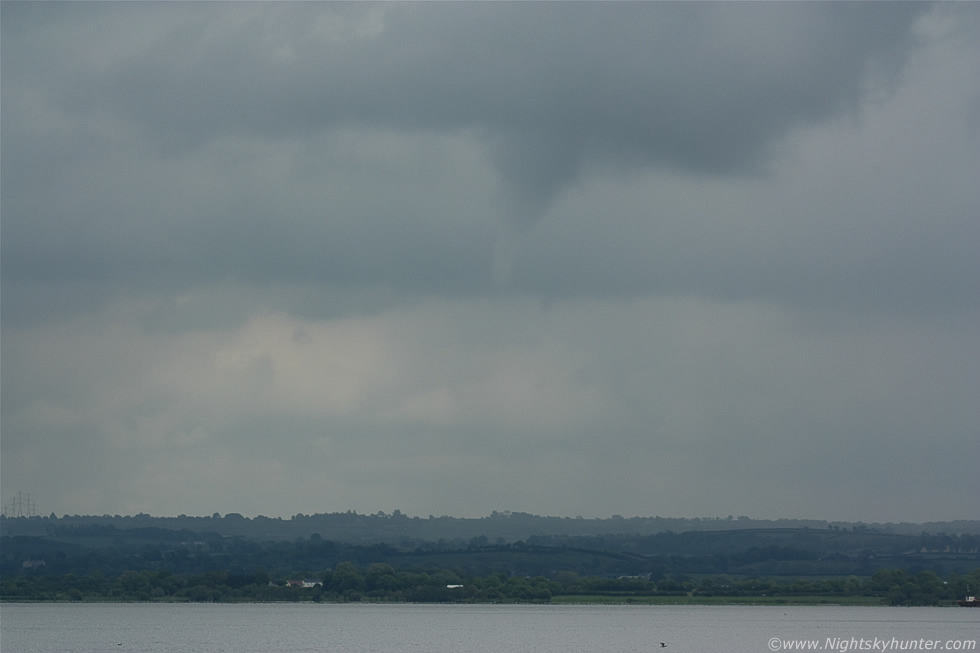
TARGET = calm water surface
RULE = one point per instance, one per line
(347, 628)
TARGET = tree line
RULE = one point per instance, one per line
(381, 582)
(70, 560)
(82, 549)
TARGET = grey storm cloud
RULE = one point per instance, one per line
(550, 96)
(699, 86)
(462, 257)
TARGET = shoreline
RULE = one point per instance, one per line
(556, 601)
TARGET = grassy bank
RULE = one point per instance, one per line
(716, 600)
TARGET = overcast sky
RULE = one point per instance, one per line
(678, 259)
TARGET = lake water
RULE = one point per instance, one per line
(409, 628)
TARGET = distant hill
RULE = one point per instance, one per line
(498, 527)
(512, 543)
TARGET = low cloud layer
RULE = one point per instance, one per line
(648, 258)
